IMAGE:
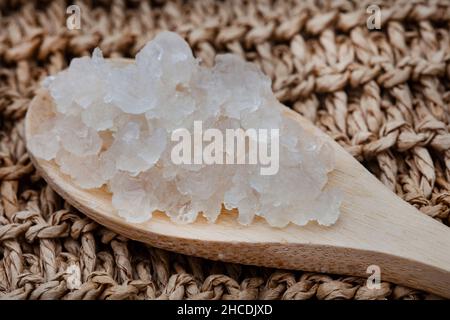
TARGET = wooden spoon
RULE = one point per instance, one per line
(375, 227)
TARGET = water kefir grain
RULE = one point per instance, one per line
(116, 122)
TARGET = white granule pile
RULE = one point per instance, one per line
(114, 123)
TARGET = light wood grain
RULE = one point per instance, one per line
(375, 227)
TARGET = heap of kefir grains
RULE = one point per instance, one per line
(113, 126)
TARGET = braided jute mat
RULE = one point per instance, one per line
(382, 94)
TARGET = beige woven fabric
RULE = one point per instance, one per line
(384, 95)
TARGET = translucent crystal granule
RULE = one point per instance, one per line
(114, 126)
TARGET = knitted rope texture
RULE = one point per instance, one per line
(383, 95)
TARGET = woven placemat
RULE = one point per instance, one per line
(382, 94)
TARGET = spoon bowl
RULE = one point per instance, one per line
(375, 226)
